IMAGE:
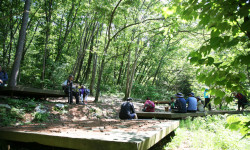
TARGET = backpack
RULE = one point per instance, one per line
(87, 91)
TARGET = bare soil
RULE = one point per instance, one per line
(93, 117)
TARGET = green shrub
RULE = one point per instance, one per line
(40, 117)
(6, 119)
(17, 113)
(61, 110)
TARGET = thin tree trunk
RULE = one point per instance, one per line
(128, 77)
(105, 52)
(92, 83)
(88, 38)
(48, 18)
(95, 57)
(86, 76)
(120, 70)
(19, 51)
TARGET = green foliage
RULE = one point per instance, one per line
(26, 104)
(154, 93)
(240, 123)
(10, 117)
(6, 120)
(207, 133)
(224, 57)
(40, 117)
(62, 110)
(17, 113)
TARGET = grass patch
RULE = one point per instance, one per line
(208, 133)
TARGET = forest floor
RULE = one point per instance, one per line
(93, 118)
(87, 117)
(72, 119)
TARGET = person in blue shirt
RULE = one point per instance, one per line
(3, 77)
(180, 104)
(207, 99)
(192, 103)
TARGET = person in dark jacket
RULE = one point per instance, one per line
(180, 104)
(242, 100)
(3, 77)
(127, 110)
(68, 89)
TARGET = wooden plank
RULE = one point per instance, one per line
(169, 115)
(27, 91)
(161, 102)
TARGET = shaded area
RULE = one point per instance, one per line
(4, 145)
(30, 92)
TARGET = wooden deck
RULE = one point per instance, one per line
(161, 102)
(110, 140)
(30, 92)
(169, 115)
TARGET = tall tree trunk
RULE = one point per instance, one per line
(128, 77)
(61, 41)
(92, 83)
(105, 52)
(95, 57)
(120, 70)
(19, 51)
(47, 32)
(86, 75)
(88, 38)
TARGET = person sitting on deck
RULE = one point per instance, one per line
(180, 104)
(149, 106)
(127, 110)
(68, 89)
(192, 103)
(242, 100)
(200, 106)
(172, 103)
(3, 77)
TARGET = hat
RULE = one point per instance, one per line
(71, 76)
(129, 99)
(179, 95)
(198, 97)
(192, 94)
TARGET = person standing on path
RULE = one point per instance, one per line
(207, 99)
(242, 100)
(68, 89)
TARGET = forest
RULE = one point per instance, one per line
(129, 48)
(139, 48)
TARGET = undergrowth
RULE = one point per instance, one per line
(209, 132)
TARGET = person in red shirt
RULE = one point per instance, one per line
(242, 100)
(149, 106)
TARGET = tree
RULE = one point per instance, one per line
(229, 27)
(19, 51)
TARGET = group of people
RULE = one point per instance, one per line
(74, 90)
(177, 105)
(191, 104)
